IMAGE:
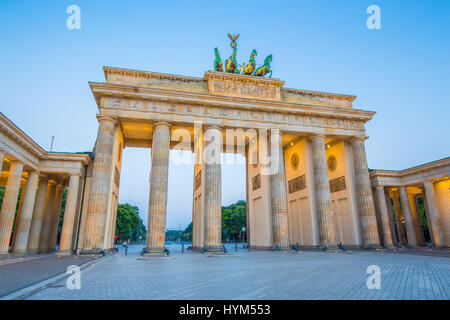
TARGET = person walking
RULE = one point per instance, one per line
(125, 246)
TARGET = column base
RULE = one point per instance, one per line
(155, 252)
(64, 253)
(32, 251)
(282, 248)
(328, 247)
(372, 246)
(20, 253)
(95, 251)
(151, 254)
(214, 249)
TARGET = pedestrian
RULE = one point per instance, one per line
(125, 246)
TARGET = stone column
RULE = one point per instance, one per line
(54, 223)
(2, 156)
(384, 217)
(392, 223)
(364, 195)
(47, 218)
(399, 216)
(26, 215)
(99, 193)
(38, 215)
(437, 236)
(280, 222)
(159, 175)
(9, 205)
(323, 193)
(409, 225)
(213, 189)
(65, 243)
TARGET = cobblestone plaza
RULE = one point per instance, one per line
(259, 275)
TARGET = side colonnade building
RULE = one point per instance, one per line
(37, 179)
(317, 194)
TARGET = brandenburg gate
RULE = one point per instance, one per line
(319, 195)
(307, 181)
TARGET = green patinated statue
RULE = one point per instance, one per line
(218, 65)
(249, 68)
(265, 68)
(231, 64)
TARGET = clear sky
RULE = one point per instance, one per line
(401, 71)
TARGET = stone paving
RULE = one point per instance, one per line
(259, 275)
(16, 274)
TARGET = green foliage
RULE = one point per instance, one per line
(423, 219)
(233, 220)
(128, 223)
(183, 235)
(63, 207)
(2, 194)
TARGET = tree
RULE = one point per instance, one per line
(233, 220)
(128, 223)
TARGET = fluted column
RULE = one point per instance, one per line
(280, 224)
(364, 194)
(437, 235)
(26, 215)
(409, 225)
(2, 156)
(9, 205)
(54, 223)
(384, 215)
(323, 193)
(47, 218)
(399, 216)
(38, 215)
(65, 243)
(159, 175)
(213, 189)
(392, 223)
(99, 193)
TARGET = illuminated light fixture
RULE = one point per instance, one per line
(292, 143)
(328, 146)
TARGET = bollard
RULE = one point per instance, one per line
(235, 247)
(182, 248)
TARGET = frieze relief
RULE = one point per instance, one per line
(227, 113)
(244, 90)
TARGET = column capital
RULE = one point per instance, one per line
(314, 136)
(214, 126)
(166, 123)
(358, 138)
(269, 131)
(16, 162)
(379, 187)
(75, 174)
(106, 118)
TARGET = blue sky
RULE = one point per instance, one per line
(401, 71)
